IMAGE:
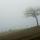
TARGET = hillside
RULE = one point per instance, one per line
(26, 34)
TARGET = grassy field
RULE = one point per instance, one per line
(32, 33)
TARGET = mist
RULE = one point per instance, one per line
(12, 13)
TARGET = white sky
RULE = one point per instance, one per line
(15, 8)
(11, 11)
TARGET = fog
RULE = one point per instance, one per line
(12, 13)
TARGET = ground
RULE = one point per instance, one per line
(26, 34)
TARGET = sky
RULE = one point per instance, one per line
(12, 13)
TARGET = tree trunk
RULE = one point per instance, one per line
(36, 20)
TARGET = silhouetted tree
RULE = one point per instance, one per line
(33, 12)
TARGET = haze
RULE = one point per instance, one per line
(12, 13)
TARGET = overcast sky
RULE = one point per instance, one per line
(11, 12)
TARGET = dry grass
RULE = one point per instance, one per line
(26, 34)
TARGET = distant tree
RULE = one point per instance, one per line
(33, 12)
(10, 30)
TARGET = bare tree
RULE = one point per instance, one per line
(33, 12)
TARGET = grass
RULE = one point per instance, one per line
(32, 33)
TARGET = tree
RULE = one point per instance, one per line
(33, 12)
